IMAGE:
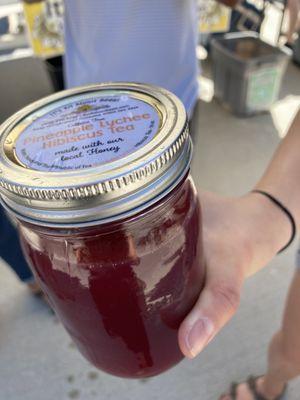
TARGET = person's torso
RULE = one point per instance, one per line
(133, 40)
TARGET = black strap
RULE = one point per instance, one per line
(252, 386)
(287, 213)
(233, 390)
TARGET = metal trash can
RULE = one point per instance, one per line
(247, 72)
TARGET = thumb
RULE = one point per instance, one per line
(217, 303)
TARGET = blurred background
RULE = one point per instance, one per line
(249, 93)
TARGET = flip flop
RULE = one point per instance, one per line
(251, 382)
(232, 391)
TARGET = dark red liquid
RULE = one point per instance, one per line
(121, 290)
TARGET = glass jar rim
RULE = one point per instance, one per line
(102, 192)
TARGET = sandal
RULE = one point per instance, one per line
(251, 382)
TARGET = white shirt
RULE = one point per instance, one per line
(149, 41)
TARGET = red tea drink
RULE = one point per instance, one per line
(112, 226)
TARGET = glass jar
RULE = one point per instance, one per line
(113, 236)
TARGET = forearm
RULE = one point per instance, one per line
(264, 228)
(282, 177)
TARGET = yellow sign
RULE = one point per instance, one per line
(45, 26)
(214, 17)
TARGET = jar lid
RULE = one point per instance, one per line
(93, 154)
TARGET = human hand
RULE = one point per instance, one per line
(241, 235)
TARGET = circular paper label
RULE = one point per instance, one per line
(88, 132)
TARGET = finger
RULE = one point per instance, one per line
(217, 303)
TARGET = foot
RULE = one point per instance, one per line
(243, 391)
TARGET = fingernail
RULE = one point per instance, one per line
(199, 335)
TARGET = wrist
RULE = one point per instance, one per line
(285, 211)
(267, 226)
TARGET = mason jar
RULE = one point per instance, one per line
(98, 181)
